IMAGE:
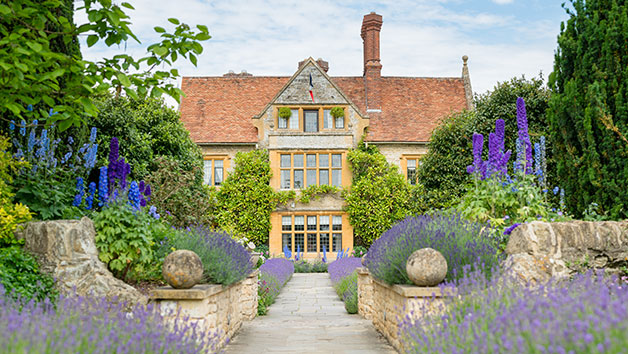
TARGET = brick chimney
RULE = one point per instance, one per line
(371, 26)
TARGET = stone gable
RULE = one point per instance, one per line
(298, 90)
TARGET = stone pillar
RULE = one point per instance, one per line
(466, 80)
(365, 293)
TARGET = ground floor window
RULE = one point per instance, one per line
(214, 170)
(311, 233)
(411, 164)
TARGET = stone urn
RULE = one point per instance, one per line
(182, 269)
(426, 267)
(255, 257)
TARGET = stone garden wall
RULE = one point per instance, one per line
(216, 309)
(540, 250)
(387, 305)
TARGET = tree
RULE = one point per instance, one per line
(443, 169)
(146, 128)
(40, 65)
(588, 113)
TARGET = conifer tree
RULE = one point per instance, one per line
(588, 113)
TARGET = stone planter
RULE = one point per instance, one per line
(387, 305)
(216, 309)
(255, 257)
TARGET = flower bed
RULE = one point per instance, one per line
(274, 274)
(82, 325)
(588, 314)
(345, 280)
(462, 243)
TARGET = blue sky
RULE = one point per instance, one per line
(503, 38)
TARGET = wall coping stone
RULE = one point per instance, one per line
(197, 292)
(406, 290)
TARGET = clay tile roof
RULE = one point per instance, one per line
(219, 109)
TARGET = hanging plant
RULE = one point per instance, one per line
(337, 112)
(285, 112)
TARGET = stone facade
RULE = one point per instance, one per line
(216, 309)
(388, 305)
(66, 250)
(540, 250)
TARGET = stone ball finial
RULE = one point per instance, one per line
(464, 59)
(426, 267)
(182, 269)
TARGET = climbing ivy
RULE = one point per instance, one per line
(379, 195)
(314, 192)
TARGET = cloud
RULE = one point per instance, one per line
(503, 2)
(418, 38)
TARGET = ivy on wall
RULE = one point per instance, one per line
(379, 195)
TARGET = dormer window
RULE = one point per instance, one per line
(309, 119)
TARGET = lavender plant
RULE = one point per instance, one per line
(274, 274)
(225, 261)
(462, 243)
(86, 325)
(344, 279)
(588, 314)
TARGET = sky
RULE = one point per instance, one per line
(424, 38)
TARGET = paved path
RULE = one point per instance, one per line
(308, 317)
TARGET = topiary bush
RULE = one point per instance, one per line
(463, 243)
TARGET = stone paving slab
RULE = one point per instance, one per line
(308, 317)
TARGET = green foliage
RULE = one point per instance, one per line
(285, 112)
(177, 195)
(124, 238)
(347, 290)
(147, 129)
(38, 70)
(303, 266)
(11, 215)
(443, 170)
(245, 200)
(337, 112)
(314, 192)
(48, 195)
(21, 278)
(588, 113)
(265, 295)
(359, 251)
(379, 195)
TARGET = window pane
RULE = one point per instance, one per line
(337, 222)
(323, 177)
(325, 242)
(285, 179)
(311, 178)
(286, 241)
(324, 222)
(311, 121)
(299, 222)
(217, 175)
(412, 175)
(294, 119)
(298, 160)
(327, 119)
(286, 223)
(298, 178)
(285, 160)
(299, 241)
(340, 123)
(311, 223)
(207, 171)
(311, 160)
(323, 160)
(311, 243)
(336, 160)
(335, 178)
(411, 163)
(283, 123)
(337, 242)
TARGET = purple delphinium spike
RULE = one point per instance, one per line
(493, 154)
(524, 136)
(500, 131)
(142, 186)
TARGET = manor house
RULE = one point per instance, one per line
(308, 145)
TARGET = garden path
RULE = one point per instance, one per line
(308, 317)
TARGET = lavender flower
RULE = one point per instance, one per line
(342, 268)
(509, 230)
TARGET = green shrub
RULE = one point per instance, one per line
(304, 266)
(21, 278)
(124, 238)
(347, 290)
(337, 112)
(11, 215)
(285, 112)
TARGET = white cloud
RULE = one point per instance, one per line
(503, 2)
(418, 38)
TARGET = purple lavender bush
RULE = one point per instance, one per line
(84, 325)
(274, 274)
(588, 314)
(225, 261)
(344, 279)
(462, 242)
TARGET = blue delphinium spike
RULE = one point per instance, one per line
(324, 254)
